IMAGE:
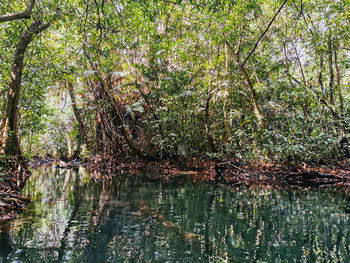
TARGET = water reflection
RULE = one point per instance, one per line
(76, 218)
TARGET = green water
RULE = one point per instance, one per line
(75, 218)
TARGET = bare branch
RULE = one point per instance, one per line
(263, 34)
(26, 14)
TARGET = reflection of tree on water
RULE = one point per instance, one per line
(127, 227)
(79, 219)
(4, 245)
(72, 217)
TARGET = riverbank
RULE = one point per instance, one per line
(13, 175)
(231, 172)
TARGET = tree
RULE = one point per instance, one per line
(9, 143)
(26, 14)
(209, 78)
(9, 127)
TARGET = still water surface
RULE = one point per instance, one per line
(75, 218)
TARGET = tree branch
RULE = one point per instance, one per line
(26, 14)
(263, 34)
(319, 97)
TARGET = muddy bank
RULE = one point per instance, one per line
(232, 172)
(13, 175)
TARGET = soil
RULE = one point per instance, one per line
(231, 172)
(13, 176)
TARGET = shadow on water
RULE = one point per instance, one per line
(5, 246)
(76, 217)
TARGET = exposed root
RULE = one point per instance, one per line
(12, 177)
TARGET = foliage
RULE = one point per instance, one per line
(173, 72)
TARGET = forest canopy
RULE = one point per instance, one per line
(253, 80)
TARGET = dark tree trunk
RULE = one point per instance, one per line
(82, 131)
(99, 113)
(320, 73)
(99, 135)
(331, 72)
(207, 124)
(337, 69)
(9, 127)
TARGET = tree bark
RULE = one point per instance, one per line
(331, 72)
(337, 69)
(9, 128)
(207, 124)
(98, 130)
(300, 66)
(254, 99)
(320, 73)
(78, 117)
(26, 14)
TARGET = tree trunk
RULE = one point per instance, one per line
(331, 73)
(341, 101)
(207, 124)
(9, 129)
(78, 117)
(320, 73)
(300, 65)
(98, 131)
(254, 100)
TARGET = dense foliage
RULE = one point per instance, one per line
(258, 80)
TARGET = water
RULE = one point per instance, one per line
(75, 218)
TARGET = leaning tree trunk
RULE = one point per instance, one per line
(246, 78)
(9, 128)
(254, 99)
